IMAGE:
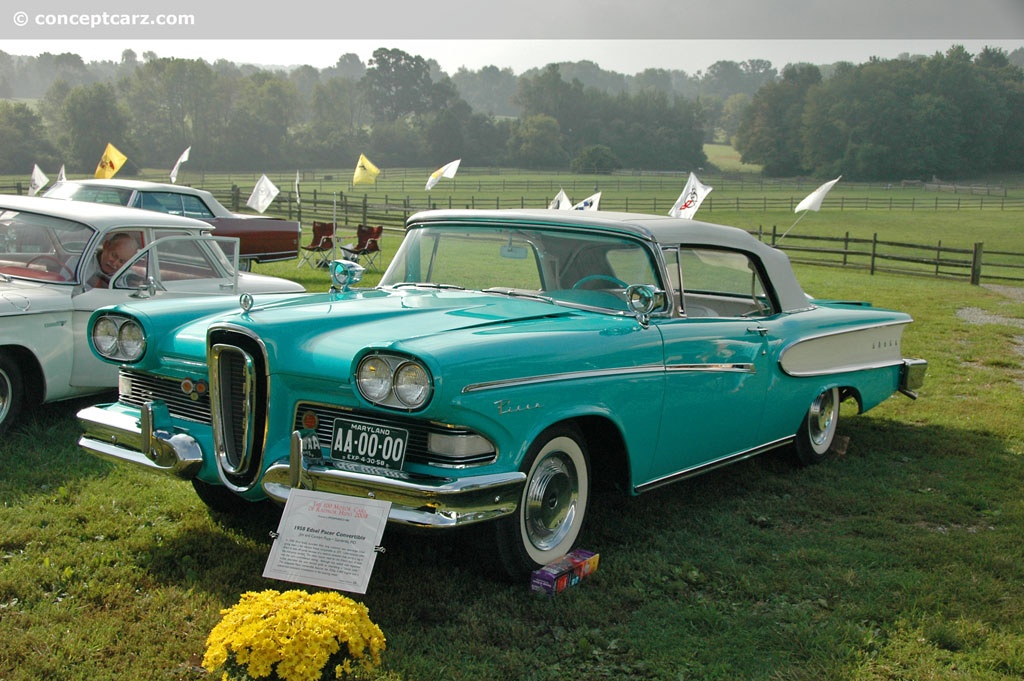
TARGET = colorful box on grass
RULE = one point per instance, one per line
(559, 575)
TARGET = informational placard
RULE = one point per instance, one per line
(327, 540)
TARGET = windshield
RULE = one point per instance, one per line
(40, 247)
(117, 196)
(591, 270)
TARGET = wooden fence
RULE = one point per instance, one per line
(976, 265)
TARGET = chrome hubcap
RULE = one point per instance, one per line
(550, 504)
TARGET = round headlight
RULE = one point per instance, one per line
(132, 341)
(374, 379)
(412, 385)
(104, 336)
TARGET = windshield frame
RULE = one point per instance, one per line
(586, 269)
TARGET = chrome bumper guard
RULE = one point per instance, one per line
(149, 441)
(912, 376)
(421, 501)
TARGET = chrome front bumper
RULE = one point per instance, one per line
(421, 501)
(148, 441)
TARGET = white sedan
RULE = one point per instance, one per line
(61, 260)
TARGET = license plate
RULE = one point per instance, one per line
(369, 444)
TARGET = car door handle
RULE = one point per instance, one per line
(759, 330)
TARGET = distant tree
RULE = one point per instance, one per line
(24, 140)
(536, 142)
(257, 134)
(732, 114)
(597, 158)
(770, 133)
(173, 104)
(489, 90)
(397, 84)
(348, 67)
(93, 117)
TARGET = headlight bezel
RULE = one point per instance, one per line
(118, 338)
(406, 383)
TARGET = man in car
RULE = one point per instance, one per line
(115, 252)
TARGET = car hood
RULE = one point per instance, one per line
(335, 328)
(27, 297)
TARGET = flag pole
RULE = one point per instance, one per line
(791, 227)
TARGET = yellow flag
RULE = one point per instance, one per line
(110, 162)
(366, 172)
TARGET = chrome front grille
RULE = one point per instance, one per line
(231, 374)
(239, 390)
(187, 399)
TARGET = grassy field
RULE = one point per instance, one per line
(901, 559)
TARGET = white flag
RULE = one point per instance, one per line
(689, 201)
(814, 199)
(560, 202)
(38, 181)
(298, 199)
(589, 203)
(181, 159)
(262, 194)
(60, 174)
(447, 170)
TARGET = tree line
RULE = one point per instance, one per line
(949, 115)
(910, 117)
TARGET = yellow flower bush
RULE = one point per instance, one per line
(293, 636)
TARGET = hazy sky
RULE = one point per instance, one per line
(620, 35)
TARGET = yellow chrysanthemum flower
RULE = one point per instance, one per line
(293, 636)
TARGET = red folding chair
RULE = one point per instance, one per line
(315, 252)
(366, 248)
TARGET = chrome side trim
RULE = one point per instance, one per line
(567, 376)
(605, 373)
(710, 466)
(740, 367)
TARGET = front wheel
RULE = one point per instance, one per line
(817, 434)
(553, 505)
(12, 391)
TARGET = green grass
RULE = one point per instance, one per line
(901, 559)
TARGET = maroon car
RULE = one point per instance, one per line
(262, 239)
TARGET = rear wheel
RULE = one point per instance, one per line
(553, 505)
(816, 436)
(12, 391)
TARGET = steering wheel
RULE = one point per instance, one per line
(61, 268)
(600, 277)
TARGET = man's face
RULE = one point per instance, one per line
(116, 253)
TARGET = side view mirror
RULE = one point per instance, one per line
(643, 299)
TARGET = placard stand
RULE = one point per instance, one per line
(327, 540)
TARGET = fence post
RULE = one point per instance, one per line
(874, 250)
(976, 264)
(846, 249)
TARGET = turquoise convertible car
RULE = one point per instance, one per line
(506, 362)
